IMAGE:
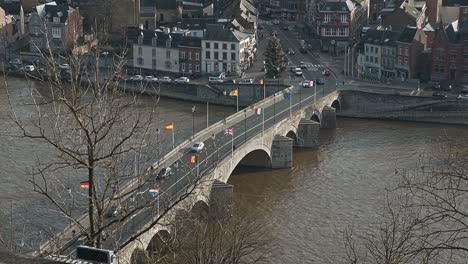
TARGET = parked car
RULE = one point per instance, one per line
(245, 81)
(15, 62)
(29, 68)
(436, 94)
(182, 80)
(151, 78)
(215, 80)
(165, 79)
(303, 65)
(320, 81)
(136, 78)
(198, 146)
(298, 72)
(290, 52)
(118, 77)
(164, 172)
(64, 66)
(326, 72)
(303, 50)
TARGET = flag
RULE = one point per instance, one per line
(84, 184)
(153, 192)
(287, 96)
(193, 159)
(229, 131)
(260, 81)
(169, 127)
(259, 111)
(234, 92)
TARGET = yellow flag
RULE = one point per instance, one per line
(234, 92)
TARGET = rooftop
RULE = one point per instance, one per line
(407, 35)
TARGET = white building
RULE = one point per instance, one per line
(227, 50)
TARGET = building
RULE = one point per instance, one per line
(396, 18)
(227, 50)
(156, 13)
(374, 9)
(447, 54)
(408, 51)
(190, 55)
(12, 25)
(155, 50)
(58, 27)
(334, 23)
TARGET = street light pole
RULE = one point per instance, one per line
(274, 108)
(245, 125)
(193, 121)
(157, 143)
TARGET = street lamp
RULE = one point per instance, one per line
(193, 121)
(274, 108)
(245, 125)
(157, 143)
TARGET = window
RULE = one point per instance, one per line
(376, 50)
(453, 57)
(56, 19)
(154, 41)
(168, 54)
(190, 55)
(406, 51)
(36, 30)
(372, 49)
(197, 68)
(207, 45)
(197, 56)
(182, 55)
(344, 19)
(140, 61)
(233, 46)
(233, 56)
(400, 51)
(216, 55)
(367, 58)
(56, 32)
(216, 45)
(224, 46)
(224, 55)
(154, 52)
(326, 18)
(182, 66)
(140, 51)
(367, 48)
(154, 64)
(207, 54)
(406, 61)
(168, 42)
(190, 67)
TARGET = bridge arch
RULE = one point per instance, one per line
(256, 158)
(139, 256)
(292, 135)
(200, 210)
(159, 243)
(315, 117)
(336, 104)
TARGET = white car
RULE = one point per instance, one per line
(165, 79)
(298, 72)
(182, 80)
(64, 66)
(151, 78)
(29, 68)
(198, 146)
(307, 83)
(136, 78)
(164, 172)
(462, 97)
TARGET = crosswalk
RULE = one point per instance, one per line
(311, 65)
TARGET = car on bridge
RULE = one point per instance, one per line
(298, 72)
(436, 94)
(164, 173)
(326, 72)
(320, 81)
(197, 147)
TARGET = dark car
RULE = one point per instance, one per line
(320, 81)
(303, 50)
(164, 172)
(439, 95)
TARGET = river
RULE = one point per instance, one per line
(339, 184)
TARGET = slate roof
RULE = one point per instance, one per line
(454, 2)
(52, 11)
(381, 37)
(332, 6)
(11, 8)
(160, 4)
(223, 33)
(451, 32)
(148, 35)
(190, 42)
(407, 35)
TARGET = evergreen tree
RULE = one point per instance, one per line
(274, 58)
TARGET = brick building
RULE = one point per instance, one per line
(334, 23)
(407, 52)
(190, 55)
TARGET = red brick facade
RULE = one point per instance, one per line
(74, 28)
(446, 58)
(190, 59)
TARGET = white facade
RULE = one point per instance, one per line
(221, 56)
(372, 60)
(156, 58)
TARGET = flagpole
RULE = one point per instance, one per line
(315, 93)
(264, 90)
(173, 138)
(237, 100)
(263, 122)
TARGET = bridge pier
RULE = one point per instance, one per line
(308, 133)
(221, 200)
(328, 117)
(282, 152)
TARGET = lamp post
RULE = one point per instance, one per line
(245, 125)
(193, 121)
(157, 143)
(274, 108)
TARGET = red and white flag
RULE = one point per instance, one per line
(229, 131)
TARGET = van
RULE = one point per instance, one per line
(215, 80)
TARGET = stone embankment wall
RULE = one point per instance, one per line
(402, 107)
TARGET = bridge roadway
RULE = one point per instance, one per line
(218, 145)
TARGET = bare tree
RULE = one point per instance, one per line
(98, 134)
(199, 238)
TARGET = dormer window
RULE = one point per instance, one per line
(140, 40)
(169, 42)
(56, 19)
(154, 41)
